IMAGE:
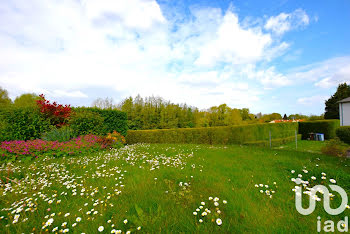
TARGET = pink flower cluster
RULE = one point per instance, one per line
(39, 147)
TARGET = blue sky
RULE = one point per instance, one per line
(269, 56)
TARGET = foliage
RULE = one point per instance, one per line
(335, 147)
(26, 100)
(113, 140)
(86, 122)
(113, 120)
(274, 142)
(57, 114)
(343, 133)
(4, 98)
(156, 113)
(270, 117)
(215, 135)
(36, 148)
(327, 127)
(332, 107)
(62, 134)
(21, 123)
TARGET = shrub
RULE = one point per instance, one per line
(56, 113)
(62, 134)
(274, 142)
(343, 133)
(86, 122)
(214, 135)
(112, 140)
(327, 127)
(113, 120)
(335, 147)
(21, 123)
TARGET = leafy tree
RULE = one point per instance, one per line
(4, 97)
(26, 100)
(332, 107)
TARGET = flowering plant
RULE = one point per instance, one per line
(57, 113)
(35, 148)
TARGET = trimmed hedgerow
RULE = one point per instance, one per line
(113, 120)
(343, 133)
(215, 135)
(274, 142)
(327, 127)
(22, 123)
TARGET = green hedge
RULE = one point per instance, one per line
(21, 123)
(274, 142)
(327, 127)
(113, 120)
(215, 135)
(343, 133)
(86, 122)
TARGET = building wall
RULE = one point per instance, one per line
(344, 112)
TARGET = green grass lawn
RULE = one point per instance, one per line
(157, 188)
(304, 145)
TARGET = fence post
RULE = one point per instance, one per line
(296, 139)
(270, 138)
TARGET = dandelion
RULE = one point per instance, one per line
(100, 228)
(218, 221)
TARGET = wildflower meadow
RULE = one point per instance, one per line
(153, 188)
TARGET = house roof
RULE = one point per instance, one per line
(345, 100)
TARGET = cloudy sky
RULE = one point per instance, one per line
(269, 56)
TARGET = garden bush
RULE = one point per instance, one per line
(327, 127)
(214, 135)
(335, 147)
(274, 142)
(343, 133)
(21, 123)
(62, 134)
(86, 122)
(113, 120)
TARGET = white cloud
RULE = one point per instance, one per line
(313, 100)
(63, 48)
(325, 74)
(285, 22)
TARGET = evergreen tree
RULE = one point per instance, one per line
(332, 107)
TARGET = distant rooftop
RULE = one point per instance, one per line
(345, 100)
